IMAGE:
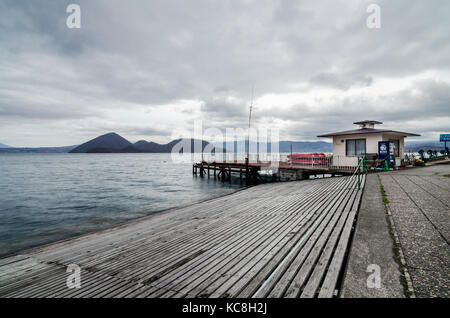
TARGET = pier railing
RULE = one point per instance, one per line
(323, 162)
(316, 162)
(358, 171)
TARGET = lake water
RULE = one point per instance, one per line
(48, 197)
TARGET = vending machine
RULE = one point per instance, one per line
(386, 150)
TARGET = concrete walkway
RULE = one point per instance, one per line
(419, 201)
(372, 244)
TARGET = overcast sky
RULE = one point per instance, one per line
(143, 68)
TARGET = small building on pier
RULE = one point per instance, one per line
(350, 144)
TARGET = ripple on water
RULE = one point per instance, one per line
(54, 196)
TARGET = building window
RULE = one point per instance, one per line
(396, 145)
(354, 147)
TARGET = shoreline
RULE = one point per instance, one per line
(116, 226)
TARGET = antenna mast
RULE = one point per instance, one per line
(249, 121)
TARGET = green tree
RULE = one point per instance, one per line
(421, 153)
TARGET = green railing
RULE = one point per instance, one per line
(358, 171)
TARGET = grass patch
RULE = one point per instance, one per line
(396, 243)
(398, 260)
(447, 175)
(383, 192)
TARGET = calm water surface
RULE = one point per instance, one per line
(48, 197)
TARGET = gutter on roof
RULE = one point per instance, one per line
(343, 133)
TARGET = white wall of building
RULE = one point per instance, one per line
(372, 140)
(339, 144)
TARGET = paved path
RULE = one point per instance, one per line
(372, 245)
(419, 200)
(273, 240)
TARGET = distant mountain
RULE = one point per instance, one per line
(415, 146)
(114, 143)
(145, 146)
(110, 142)
(283, 146)
(4, 146)
(38, 150)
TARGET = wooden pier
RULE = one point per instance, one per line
(273, 240)
(251, 172)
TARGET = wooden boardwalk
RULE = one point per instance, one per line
(272, 240)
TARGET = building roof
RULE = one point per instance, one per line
(367, 131)
(373, 122)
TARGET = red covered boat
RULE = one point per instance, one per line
(309, 158)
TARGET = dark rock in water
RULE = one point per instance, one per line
(108, 143)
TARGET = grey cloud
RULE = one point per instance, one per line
(427, 102)
(223, 108)
(150, 53)
(341, 82)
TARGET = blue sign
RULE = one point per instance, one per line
(383, 150)
(445, 137)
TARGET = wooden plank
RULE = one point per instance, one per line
(241, 255)
(258, 274)
(315, 279)
(329, 284)
(307, 266)
(278, 280)
(232, 283)
(221, 249)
